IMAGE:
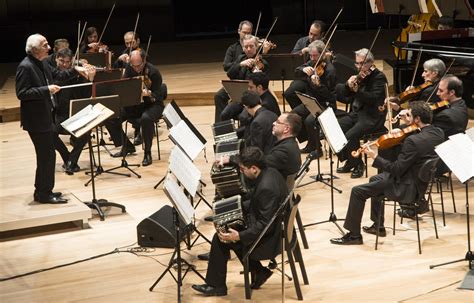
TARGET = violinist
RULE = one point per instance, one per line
(148, 112)
(365, 92)
(399, 180)
(433, 70)
(91, 43)
(319, 84)
(316, 32)
(132, 42)
(241, 69)
(58, 44)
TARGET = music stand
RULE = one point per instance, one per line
(107, 75)
(235, 89)
(113, 103)
(130, 92)
(80, 124)
(336, 139)
(315, 109)
(97, 59)
(455, 153)
(183, 209)
(282, 67)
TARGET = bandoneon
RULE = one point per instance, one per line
(228, 180)
(228, 213)
(224, 131)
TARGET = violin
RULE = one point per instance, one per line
(413, 92)
(258, 65)
(388, 140)
(439, 105)
(261, 43)
(362, 75)
(97, 47)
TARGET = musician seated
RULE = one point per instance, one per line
(259, 132)
(316, 32)
(91, 43)
(319, 86)
(148, 112)
(58, 45)
(399, 180)
(241, 69)
(366, 93)
(63, 97)
(269, 191)
(132, 42)
(445, 23)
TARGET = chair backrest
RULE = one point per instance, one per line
(164, 90)
(428, 169)
(290, 182)
(290, 220)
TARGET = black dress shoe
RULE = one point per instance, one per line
(209, 218)
(51, 199)
(138, 139)
(407, 213)
(204, 256)
(147, 159)
(57, 194)
(348, 239)
(423, 207)
(124, 151)
(358, 171)
(209, 290)
(373, 230)
(344, 169)
(72, 168)
(261, 277)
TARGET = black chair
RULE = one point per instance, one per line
(290, 183)
(292, 249)
(426, 175)
(164, 94)
(440, 179)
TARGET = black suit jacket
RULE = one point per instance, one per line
(368, 98)
(237, 72)
(269, 192)
(285, 156)
(404, 185)
(452, 120)
(260, 130)
(36, 104)
(270, 103)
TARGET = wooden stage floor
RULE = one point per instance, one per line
(394, 273)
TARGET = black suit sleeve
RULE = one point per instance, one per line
(277, 159)
(24, 91)
(257, 135)
(374, 94)
(404, 162)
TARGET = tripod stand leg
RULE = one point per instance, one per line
(159, 182)
(170, 264)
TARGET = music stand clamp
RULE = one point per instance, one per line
(86, 127)
(283, 68)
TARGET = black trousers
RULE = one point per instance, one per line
(147, 115)
(355, 127)
(77, 148)
(359, 194)
(221, 99)
(45, 162)
(290, 92)
(220, 253)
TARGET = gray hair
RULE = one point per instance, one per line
(318, 45)
(33, 41)
(435, 65)
(365, 52)
(250, 37)
(246, 22)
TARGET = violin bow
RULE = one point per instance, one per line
(371, 46)
(147, 48)
(134, 34)
(258, 23)
(78, 45)
(437, 84)
(324, 49)
(106, 23)
(416, 67)
(332, 24)
(268, 34)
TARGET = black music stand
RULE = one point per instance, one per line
(130, 92)
(96, 59)
(86, 127)
(235, 89)
(282, 67)
(113, 103)
(336, 140)
(107, 75)
(315, 109)
(181, 209)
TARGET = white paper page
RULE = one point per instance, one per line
(86, 115)
(179, 200)
(470, 133)
(332, 130)
(171, 115)
(186, 139)
(185, 171)
(457, 153)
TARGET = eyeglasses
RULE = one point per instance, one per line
(137, 65)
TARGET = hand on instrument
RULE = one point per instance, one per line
(372, 152)
(305, 50)
(315, 80)
(250, 62)
(393, 103)
(352, 83)
(231, 236)
(223, 160)
(146, 92)
(308, 70)
(405, 117)
(124, 58)
(409, 87)
(53, 88)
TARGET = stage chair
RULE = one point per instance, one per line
(449, 188)
(426, 174)
(292, 249)
(290, 183)
(164, 92)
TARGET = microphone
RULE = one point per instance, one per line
(305, 166)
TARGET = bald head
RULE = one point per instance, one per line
(137, 60)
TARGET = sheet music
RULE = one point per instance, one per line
(183, 136)
(171, 115)
(332, 130)
(457, 153)
(179, 199)
(184, 170)
(87, 118)
(470, 133)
